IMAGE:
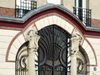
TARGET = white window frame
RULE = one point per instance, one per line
(83, 3)
(83, 6)
(54, 1)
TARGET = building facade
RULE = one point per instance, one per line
(68, 42)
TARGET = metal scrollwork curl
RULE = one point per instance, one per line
(79, 65)
(23, 62)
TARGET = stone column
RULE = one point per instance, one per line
(33, 39)
(75, 41)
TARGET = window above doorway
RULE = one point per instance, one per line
(24, 6)
(54, 1)
(83, 12)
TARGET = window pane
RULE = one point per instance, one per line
(54, 1)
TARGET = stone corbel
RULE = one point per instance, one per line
(75, 42)
(33, 38)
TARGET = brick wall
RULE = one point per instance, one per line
(95, 22)
(7, 12)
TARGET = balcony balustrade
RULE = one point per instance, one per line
(83, 14)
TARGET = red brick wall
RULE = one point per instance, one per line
(7, 12)
(95, 23)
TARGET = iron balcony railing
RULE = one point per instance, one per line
(24, 7)
(83, 14)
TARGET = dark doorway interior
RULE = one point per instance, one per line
(53, 51)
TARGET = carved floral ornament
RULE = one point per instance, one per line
(33, 38)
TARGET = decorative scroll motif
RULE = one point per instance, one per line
(75, 41)
(21, 61)
(79, 65)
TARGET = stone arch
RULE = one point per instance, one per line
(16, 43)
(70, 28)
(14, 46)
(47, 20)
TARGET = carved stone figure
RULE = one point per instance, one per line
(33, 38)
(75, 41)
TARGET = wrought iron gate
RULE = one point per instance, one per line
(53, 51)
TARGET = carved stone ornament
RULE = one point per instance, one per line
(75, 42)
(33, 38)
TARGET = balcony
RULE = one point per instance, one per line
(24, 7)
(83, 14)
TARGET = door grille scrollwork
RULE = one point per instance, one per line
(21, 62)
(53, 51)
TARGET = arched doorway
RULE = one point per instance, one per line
(53, 51)
(53, 55)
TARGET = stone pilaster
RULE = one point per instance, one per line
(33, 39)
(75, 41)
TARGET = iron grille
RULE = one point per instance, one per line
(53, 51)
(24, 7)
(21, 61)
(83, 14)
(81, 67)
